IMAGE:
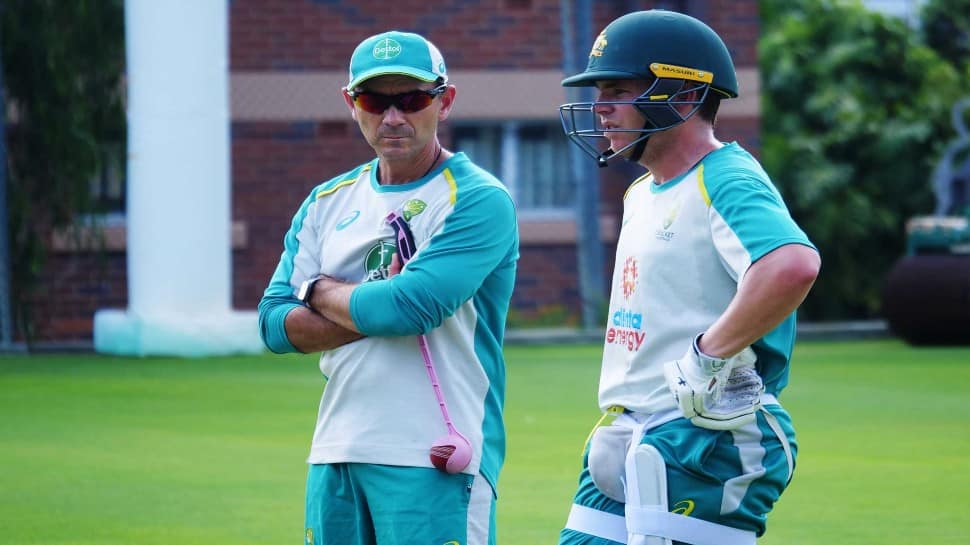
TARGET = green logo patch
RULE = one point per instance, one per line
(412, 208)
(386, 49)
(377, 261)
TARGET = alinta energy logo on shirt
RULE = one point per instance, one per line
(625, 325)
(631, 276)
(626, 329)
(377, 260)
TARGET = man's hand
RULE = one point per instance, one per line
(715, 393)
(395, 267)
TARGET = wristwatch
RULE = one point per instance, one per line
(306, 289)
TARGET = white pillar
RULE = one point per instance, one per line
(178, 213)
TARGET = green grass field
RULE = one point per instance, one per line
(115, 451)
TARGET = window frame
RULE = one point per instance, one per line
(509, 135)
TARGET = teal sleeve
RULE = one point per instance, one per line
(478, 236)
(272, 328)
(752, 207)
(755, 212)
(278, 299)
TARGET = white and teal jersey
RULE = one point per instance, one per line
(683, 250)
(378, 405)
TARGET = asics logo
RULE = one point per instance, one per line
(683, 507)
(342, 224)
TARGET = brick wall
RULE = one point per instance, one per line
(275, 164)
(314, 35)
(71, 286)
(274, 167)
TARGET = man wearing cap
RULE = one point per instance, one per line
(342, 289)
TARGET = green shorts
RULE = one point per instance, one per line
(367, 504)
(731, 478)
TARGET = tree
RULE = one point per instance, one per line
(62, 68)
(946, 29)
(855, 114)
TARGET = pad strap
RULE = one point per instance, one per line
(596, 523)
(646, 521)
(782, 438)
(649, 522)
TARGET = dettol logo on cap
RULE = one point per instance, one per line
(386, 49)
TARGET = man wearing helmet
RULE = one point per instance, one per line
(710, 268)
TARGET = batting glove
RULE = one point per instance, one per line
(715, 393)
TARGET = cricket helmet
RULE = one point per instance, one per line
(675, 53)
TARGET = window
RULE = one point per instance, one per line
(533, 159)
(108, 185)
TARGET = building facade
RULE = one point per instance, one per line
(291, 130)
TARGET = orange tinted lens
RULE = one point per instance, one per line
(414, 101)
(377, 103)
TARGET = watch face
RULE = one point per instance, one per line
(304, 290)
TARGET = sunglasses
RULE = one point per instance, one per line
(410, 102)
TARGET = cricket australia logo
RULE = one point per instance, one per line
(631, 275)
(412, 208)
(664, 233)
(386, 49)
(599, 45)
(377, 261)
